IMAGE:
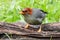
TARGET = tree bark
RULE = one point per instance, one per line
(48, 30)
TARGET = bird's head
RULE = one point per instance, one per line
(26, 11)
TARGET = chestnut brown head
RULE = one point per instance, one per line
(26, 11)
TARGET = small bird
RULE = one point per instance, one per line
(33, 16)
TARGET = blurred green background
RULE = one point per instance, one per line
(9, 9)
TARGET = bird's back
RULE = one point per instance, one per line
(38, 13)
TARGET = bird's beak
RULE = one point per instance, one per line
(21, 12)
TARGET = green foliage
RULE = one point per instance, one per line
(9, 9)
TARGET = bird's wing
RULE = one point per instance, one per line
(39, 14)
(39, 19)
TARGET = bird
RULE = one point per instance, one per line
(33, 16)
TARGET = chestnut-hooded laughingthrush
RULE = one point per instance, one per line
(33, 16)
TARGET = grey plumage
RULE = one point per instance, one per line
(36, 18)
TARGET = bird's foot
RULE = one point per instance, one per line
(39, 29)
(27, 26)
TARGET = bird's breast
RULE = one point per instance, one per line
(31, 20)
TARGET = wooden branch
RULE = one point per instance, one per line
(49, 29)
(46, 27)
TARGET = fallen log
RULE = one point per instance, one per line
(46, 27)
(48, 30)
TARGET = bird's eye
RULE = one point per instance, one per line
(24, 11)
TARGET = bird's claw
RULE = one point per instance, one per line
(39, 29)
(27, 26)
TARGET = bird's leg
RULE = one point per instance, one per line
(27, 26)
(40, 29)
